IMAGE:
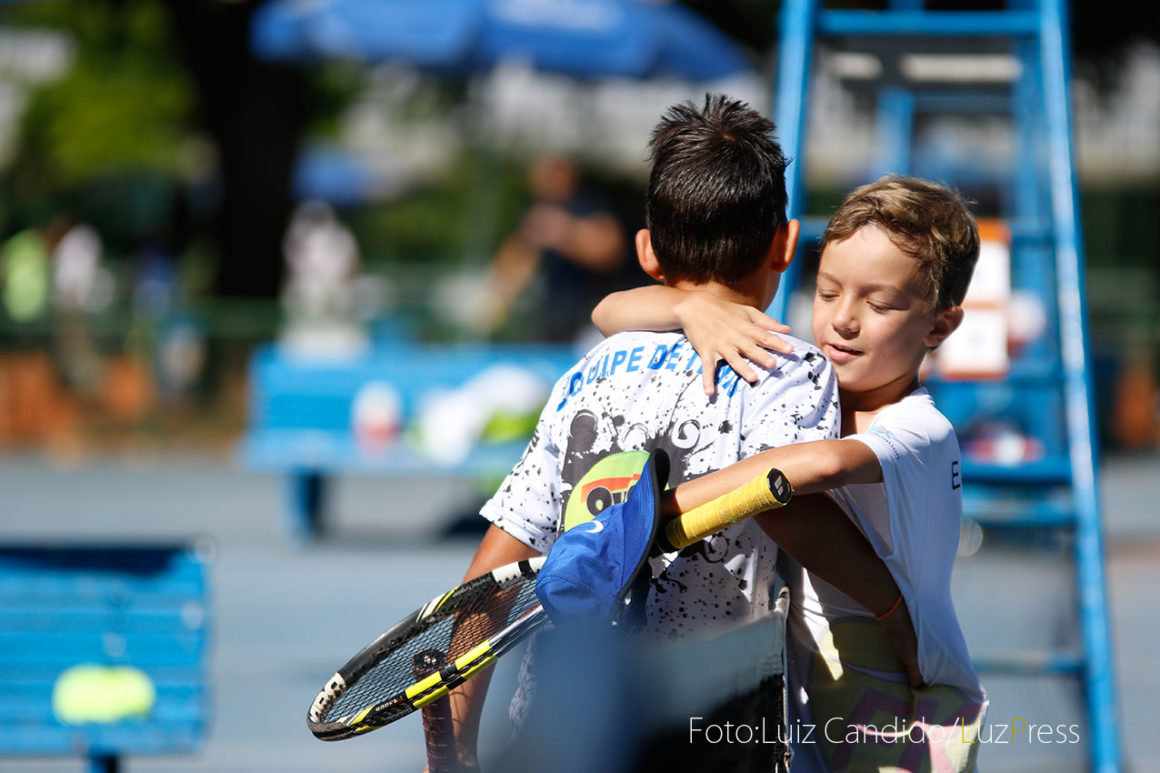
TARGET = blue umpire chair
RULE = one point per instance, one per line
(1048, 490)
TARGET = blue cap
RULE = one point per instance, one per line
(592, 566)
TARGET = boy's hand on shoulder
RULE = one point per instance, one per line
(722, 330)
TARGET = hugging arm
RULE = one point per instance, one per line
(717, 329)
(815, 531)
(820, 537)
(811, 468)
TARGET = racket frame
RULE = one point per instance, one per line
(436, 685)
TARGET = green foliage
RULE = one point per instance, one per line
(459, 217)
(331, 86)
(123, 117)
(124, 107)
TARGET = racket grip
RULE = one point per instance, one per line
(767, 491)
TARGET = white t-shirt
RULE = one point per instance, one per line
(912, 519)
(638, 391)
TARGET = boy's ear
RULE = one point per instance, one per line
(646, 256)
(945, 323)
(784, 244)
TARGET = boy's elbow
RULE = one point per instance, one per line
(602, 316)
(832, 470)
(828, 467)
(853, 462)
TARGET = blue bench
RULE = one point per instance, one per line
(143, 608)
(301, 416)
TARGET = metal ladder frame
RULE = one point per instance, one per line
(1045, 217)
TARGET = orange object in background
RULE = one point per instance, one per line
(33, 404)
(979, 348)
(127, 391)
(1135, 420)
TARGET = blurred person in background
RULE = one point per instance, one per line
(155, 280)
(323, 262)
(568, 252)
(76, 269)
(80, 288)
(25, 276)
(32, 404)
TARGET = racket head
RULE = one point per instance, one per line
(438, 725)
(472, 624)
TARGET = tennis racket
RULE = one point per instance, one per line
(438, 724)
(767, 491)
(448, 640)
(462, 632)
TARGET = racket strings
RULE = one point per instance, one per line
(457, 627)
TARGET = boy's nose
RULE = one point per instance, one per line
(845, 322)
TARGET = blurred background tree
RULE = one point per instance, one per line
(162, 129)
(153, 121)
(104, 141)
(166, 128)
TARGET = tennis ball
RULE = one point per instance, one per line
(93, 693)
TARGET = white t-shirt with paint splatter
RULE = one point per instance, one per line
(638, 391)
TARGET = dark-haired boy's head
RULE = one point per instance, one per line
(716, 194)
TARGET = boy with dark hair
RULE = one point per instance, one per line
(716, 194)
(717, 173)
(897, 259)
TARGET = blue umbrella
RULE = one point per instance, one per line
(583, 38)
(341, 177)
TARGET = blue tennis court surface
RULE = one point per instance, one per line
(284, 618)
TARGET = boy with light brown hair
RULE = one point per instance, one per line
(896, 262)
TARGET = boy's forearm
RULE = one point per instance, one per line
(811, 468)
(466, 711)
(822, 538)
(497, 549)
(641, 308)
(819, 536)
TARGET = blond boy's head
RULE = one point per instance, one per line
(928, 222)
